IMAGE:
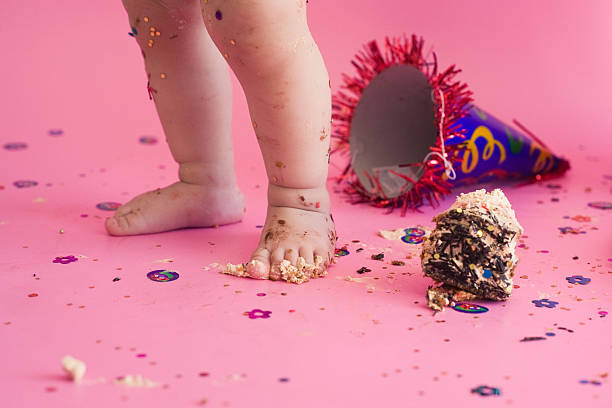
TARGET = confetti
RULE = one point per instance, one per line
(162, 275)
(108, 206)
(571, 230)
(486, 391)
(16, 146)
(578, 280)
(341, 252)
(259, 314)
(25, 183)
(65, 259)
(601, 205)
(527, 339)
(469, 308)
(55, 132)
(545, 303)
(147, 140)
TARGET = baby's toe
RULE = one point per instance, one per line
(291, 255)
(326, 256)
(120, 224)
(306, 252)
(259, 267)
(275, 259)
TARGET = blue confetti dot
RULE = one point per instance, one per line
(487, 274)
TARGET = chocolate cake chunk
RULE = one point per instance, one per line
(472, 247)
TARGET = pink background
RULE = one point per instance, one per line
(71, 65)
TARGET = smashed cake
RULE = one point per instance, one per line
(472, 249)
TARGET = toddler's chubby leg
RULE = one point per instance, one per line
(190, 84)
(268, 45)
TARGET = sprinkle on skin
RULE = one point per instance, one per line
(163, 75)
(226, 55)
(279, 164)
(146, 19)
(233, 42)
(254, 125)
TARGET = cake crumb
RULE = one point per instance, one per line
(74, 368)
(392, 235)
(135, 381)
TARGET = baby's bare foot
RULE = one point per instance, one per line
(180, 205)
(302, 227)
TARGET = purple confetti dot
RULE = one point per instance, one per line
(218, 15)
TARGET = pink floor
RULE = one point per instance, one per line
(74, 71)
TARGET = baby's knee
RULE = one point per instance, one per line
(250, 31)
(253, 17)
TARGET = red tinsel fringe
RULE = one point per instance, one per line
(369, 63)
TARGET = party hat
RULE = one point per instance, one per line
(413, 131)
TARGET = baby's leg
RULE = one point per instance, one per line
(268, 45)
(190, 84)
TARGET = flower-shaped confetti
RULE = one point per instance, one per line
(486, 391)
(65, 259)
(545, 303)
(578, 280)
(259, 314)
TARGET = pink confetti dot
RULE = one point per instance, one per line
(141, 355)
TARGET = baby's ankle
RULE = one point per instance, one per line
(211, 175)
(311, 199)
